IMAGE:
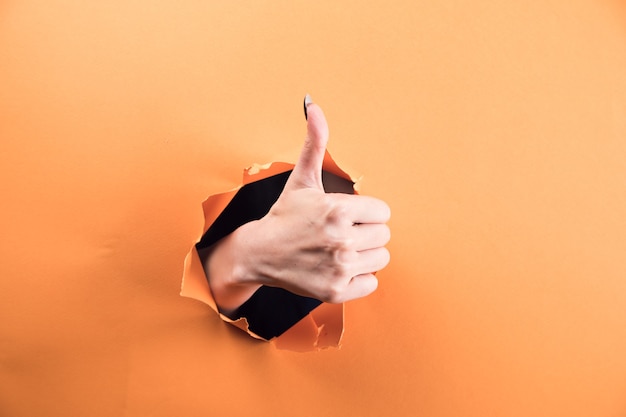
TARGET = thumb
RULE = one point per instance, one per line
(308, 170)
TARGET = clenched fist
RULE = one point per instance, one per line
(315, 244)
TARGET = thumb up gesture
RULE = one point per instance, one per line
(315, 244)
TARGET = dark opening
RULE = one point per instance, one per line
(270, 311)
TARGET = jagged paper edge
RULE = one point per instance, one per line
(320, 329)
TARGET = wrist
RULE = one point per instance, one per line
(228, 268)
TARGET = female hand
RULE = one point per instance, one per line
(315, 244)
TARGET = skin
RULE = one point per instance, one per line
(322, 245)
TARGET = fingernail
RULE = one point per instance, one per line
(307, 101)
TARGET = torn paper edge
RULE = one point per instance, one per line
(321, 328)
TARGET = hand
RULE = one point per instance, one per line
(315, 244)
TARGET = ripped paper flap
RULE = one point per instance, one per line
(322, 328)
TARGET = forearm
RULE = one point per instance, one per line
(226, 267)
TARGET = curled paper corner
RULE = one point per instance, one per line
(256, 168)
(257, 172)
(357, 184)
(323, 327)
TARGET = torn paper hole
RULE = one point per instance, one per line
(321, 324)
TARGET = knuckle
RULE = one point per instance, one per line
(336, 282)
(342, 259)
(334, 293)
(340, 269)
(336, 241)
(336, 211)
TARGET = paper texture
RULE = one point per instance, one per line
(495, 131)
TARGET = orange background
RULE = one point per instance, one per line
(496, 131)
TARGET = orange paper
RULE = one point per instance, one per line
(495, 131)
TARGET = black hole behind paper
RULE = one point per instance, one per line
(270, 311)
